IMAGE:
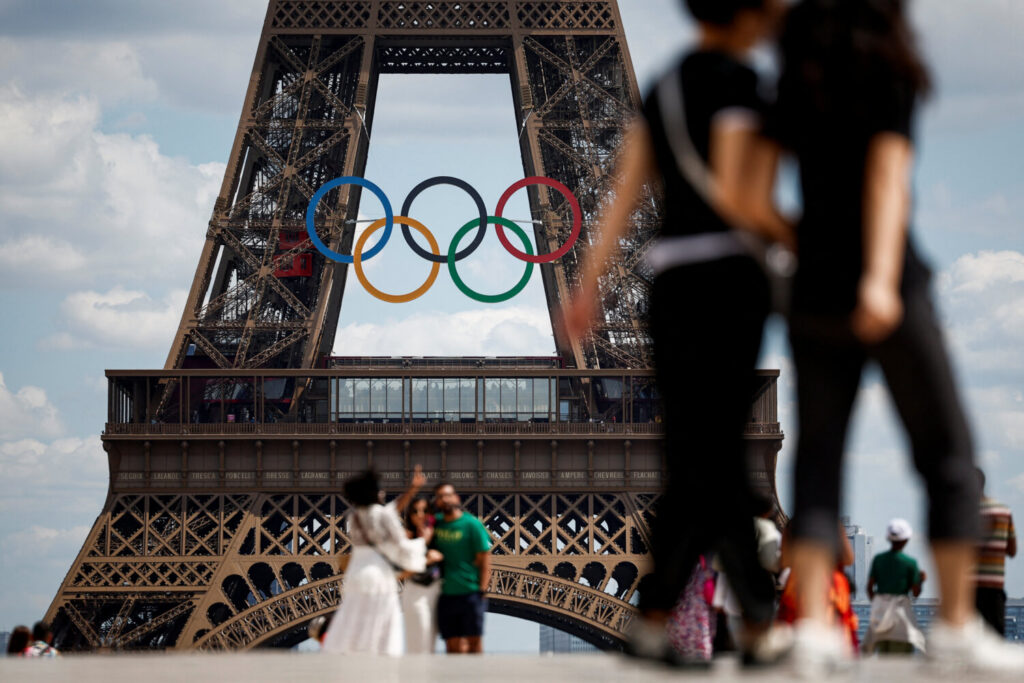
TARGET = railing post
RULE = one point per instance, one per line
(333, 447)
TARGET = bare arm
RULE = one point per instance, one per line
(1011, 545)
(745, 165)
(634, 168)
(886, 212)
(418, 480)
(845, 549)
(483, 562)
(916, 588)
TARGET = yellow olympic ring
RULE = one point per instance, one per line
(357, 261)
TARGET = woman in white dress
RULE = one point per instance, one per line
(420, 590)
(369, 620)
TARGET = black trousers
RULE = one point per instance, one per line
(914, 361)
(707, 321)
(991, 603)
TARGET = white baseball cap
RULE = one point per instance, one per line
(899, 530)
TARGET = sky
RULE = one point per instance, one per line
(116, 119)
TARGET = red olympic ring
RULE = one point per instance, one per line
(577, 220)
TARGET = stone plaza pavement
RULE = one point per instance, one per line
(286, 666)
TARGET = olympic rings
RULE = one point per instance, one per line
(357, 262)
(465, 289)
(462, 185)
(434, 256)
(577, 220)
(338, 182)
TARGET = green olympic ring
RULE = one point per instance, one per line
(463, 287)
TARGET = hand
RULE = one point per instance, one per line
(879, 310)
(419, 479)
(434, 556)
(578, 315)
(924, 576)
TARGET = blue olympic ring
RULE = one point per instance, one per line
(389, 216)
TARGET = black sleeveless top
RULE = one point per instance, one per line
(831, 148)
(713, 84)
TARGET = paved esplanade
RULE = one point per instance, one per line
(314, 667)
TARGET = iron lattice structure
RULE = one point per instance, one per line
(308, 118)
(223, 521)
(235, 571)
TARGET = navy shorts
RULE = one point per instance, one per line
(461, 616)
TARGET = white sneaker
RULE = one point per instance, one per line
(769, 648)
(974, 647)
(819, 651)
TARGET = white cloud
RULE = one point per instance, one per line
(975, 273)
(38, 540)
(26, 412)
(518, 330)
(999, 410)
(448, 110)
(30, 462)
(19, 254)
(993, 217)
(78, 206)
(108, 71)
(117, 319)
(967, 41)
(50, 492)
(983, 295)
(119, 51)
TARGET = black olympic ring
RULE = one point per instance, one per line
(462, 185)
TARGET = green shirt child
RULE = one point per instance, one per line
(894, 572)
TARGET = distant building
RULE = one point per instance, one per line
(553, 640)
(862, 608)
(4, 637)
(863, 553)
(1015, 619)
(925, 610)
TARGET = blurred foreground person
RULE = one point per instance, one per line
(369, 620)
(708, 306)
(893, 576)
(19, 641)
(316, 631)
(998, 541)
(692, 623)
(851, 79)
(838, 592)
(465, 544)
(769, 554)
(420, 590)
(42, 638)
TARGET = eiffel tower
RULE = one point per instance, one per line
(223, 520)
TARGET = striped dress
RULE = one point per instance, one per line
(996, 533)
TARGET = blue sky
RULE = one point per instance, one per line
(116, 118)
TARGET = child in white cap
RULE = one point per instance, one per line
(894, 575)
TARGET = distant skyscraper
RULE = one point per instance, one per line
(554, 640)
(1015, 619)
(863, 553)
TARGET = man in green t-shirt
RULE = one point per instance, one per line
(466, 545)
(894, 576)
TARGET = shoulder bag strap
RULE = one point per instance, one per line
(672, 106)
(369, 541)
